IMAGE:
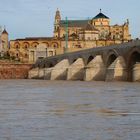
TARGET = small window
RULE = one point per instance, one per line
(17, 55)
(17, 47)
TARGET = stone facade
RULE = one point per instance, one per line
(111, 63)
(14, 71)
(97, 28)
(22, 48)
(81, 34)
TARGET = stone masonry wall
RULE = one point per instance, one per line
(14, 71)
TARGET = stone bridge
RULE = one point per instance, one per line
(111, 63)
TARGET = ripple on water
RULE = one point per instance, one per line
(69, 110)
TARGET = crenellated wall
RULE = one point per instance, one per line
(110, 63)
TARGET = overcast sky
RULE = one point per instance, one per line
(35, 18)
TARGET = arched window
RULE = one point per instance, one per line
(26, 47)
(17, 46)
(35, 44)
(54, 45)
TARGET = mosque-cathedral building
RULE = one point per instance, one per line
(81, 34)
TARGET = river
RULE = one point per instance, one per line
(69, 110)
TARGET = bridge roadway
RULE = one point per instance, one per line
(119, 62)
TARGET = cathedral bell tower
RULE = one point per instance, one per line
(4, 41)
(56, 23)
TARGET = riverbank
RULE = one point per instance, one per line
(14, 70)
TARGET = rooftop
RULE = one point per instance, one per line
(100, 15)
(90, 27)
(5, 32)
(34, 38)
(74, 23)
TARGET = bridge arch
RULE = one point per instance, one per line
(89, 59)
(133, 58)
(111, 57)
(74, 59)
(51, 65)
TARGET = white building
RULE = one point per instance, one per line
(41, 51)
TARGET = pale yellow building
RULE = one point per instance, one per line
(21, 48)
(82, 34)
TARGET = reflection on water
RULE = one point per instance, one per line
(69, 110)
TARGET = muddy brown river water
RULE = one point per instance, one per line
(69, 110)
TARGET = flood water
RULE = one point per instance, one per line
(69, 110)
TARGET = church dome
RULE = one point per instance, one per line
(100, 15)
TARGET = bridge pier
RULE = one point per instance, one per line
(117, 70)
(33, 74)
(136, 73)
(47, 73)
(59, 71)
(41, 73)
(76, 70)
(95, 70)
